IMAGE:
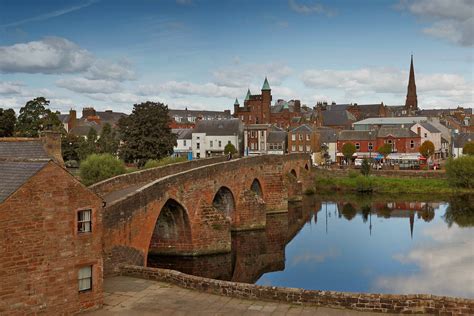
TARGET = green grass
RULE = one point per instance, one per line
(389, 185)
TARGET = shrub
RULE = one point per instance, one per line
(152, 163)
(468, 149)
(460, 172)
(364, 184)
(352, 174)
(98, 167)
(229, 149)
(365, 167)
(71, 164)
(348, 149)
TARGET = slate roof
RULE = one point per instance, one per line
(17, 150)
(183, 133)
(430, 127)
(276, 137)
(461, 139)
(64, 118)
(16, 173)
(337, 117)
(302, 128)
(219, 127)
(356, 135)
(110, 117)
(396, 132)
(327, 135)
(392, 120)
(84, 127)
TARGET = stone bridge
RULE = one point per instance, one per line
(190, 209)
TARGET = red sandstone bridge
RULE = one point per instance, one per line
(190, 208)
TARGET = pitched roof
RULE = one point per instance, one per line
(461, 139)
(302, 128)
(266, 85)
(16, 173)
(83, 128)
(430, 127)
(183, 133)
(396, 132)
(337, 117)
(276, 136)
(247, 97)
(327, 135)
(219, 127)
(110, 117)
(64, 118)
(392, 120)
(18, 150)
(356, 135)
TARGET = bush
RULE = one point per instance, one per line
(230, 149)
(365, 167)
(352, 174)
(152, 163)
(98, 167)
(364, 184)
(460, 172)
(468, 149)
(71, 164)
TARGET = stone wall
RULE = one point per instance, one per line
(41, 251)
(148, 175)
(381, 303)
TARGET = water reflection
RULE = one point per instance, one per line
(352, 243)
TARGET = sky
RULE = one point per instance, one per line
(202, 54)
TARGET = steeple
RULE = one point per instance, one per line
(247, 97)
(236, 102)
(411, 102)
(265, 86)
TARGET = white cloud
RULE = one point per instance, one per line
(83, 85)
(8, 87)
(56, 55)
(176, 88)
(452, 20)
(432, 89)
(184, 2)
(310, 8)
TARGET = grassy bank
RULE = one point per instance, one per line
(387, 185)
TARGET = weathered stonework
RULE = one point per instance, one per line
(380, 303)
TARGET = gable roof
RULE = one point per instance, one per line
(337, 117)
(396, 132)
(302, 128)
(461, 139)
(219, 127)
(16, 173)
(430, 128)
(22, 149)
(356, 135)
(183, 133)
(276, 137)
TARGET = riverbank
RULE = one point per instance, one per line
(329, 182)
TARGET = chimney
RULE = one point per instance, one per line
(52, 145)
(86, 112)
(419, 131)
(72, 119)
(297, 106)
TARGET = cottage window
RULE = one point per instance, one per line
(85, 279)
(357, 146)
(211, 143)
(293, 137)
(84, 221)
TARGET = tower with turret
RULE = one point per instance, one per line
(256, 107)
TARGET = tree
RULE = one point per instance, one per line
(427, 149)
(365, 167)
(108, 142)
(7, 122)
(35, 117)
(460, 172)
(146, 133)
(385, 150)
(229, 149)
(468, 149)
(348, 149)
(70, 147)
(98, 167)
(89, 146)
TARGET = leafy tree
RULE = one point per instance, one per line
(89, 146)
(70, 147)
(230, 149)
(468, 149)
(146, 133)
(35, 117)
(460, 172)
(385, 150)
(98, 167)
(108, 142)
(365, 167)
(427, 149)
(7, 122)
(348, 149)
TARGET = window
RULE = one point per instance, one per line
(371, 146)
(293, 148)
(84, 221)
(307, 136)
(262, 133)
(198, 146)
(293, 137)
(308, 148)
(357, 146)
(184, 142)
(242, 118)
(220, 144)
(85, 279)
(252, 134)
(300, 148)
(211, 143)
(412, 144)
(300, 136)
(426, 135)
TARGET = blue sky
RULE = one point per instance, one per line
(203, 54)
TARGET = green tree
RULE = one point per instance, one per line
(7, 122)
(468, 149)
(385, 150)
(70, 147)
(348, 149)
(229, 149)
(427, 149)
(35, 117)
(108, 142)
(98, 167)
(89, 146)
(460, 172)
(146, 133)
(460, 211)
(365, 167)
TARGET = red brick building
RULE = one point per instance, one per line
(256, 109)
(50, 233)
(303, 139)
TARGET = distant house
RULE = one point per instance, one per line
(50, 232)
(337, 119)
(378, 122)
(255, 138)
(209, 138)
(459, 140)
(188, 118)
(183, 142)
(277, 142)
(90, 119)
(328, 138)
(428, 132)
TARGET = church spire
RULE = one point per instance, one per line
(411, 102)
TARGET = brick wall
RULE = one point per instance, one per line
(41, 251)
(381, 303)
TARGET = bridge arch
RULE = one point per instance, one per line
(256, 187)
(172, 230)
(224, 201)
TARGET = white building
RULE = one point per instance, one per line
(428, 132)
(184, 142)
(209, 138)
(459, 140)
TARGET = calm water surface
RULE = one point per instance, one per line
(353, 244)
